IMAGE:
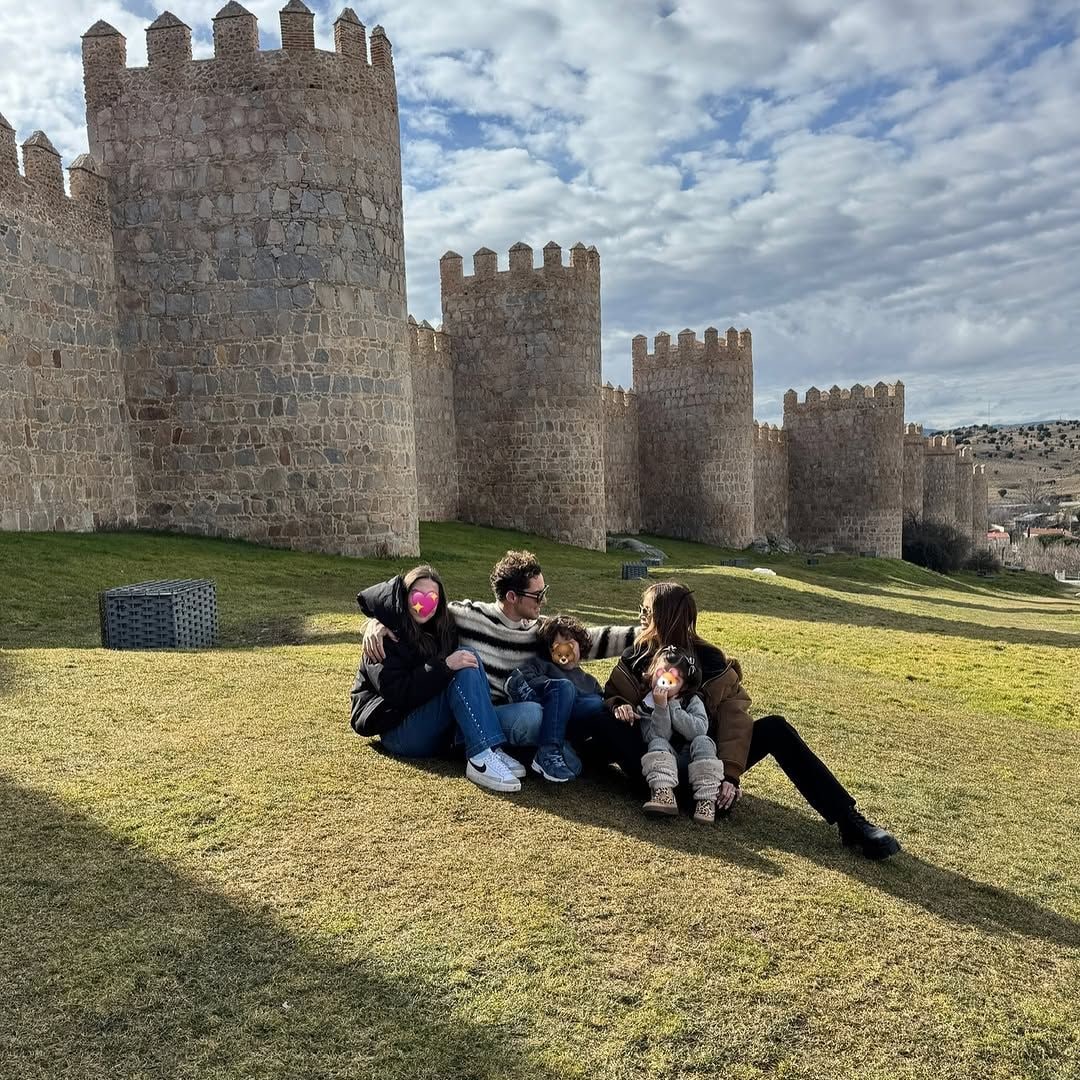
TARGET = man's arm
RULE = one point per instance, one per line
(375, 635)
(606, 642)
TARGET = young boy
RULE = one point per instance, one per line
(564, 639)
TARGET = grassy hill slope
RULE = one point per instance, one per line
(205, 874)
(1016, 455)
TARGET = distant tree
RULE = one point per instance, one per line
(1034, 491)
(1002, 492)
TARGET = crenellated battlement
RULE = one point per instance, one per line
(616, 397)
(689, 348)
(38, 190)
(238, 58)
(881, 395)
(913, 433)
(768, 433)
(584, 261)
(941, 444)
(428, 345)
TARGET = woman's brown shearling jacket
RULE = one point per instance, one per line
(726, 702)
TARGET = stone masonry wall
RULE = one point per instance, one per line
(980, 513)
(257, 223)
(963, 490)
(436, 428)
(696, 425)
(846, 468)
(526, 349)
(939, 480)
(914, 469)
(622, 492)
(65, 459)
(770, 481)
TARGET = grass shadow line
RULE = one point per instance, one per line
(605, 799)
(117, 965)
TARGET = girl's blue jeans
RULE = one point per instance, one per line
(461, 713)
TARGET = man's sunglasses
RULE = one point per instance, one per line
(537, 596)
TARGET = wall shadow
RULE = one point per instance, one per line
(606, 799)
(783, 602)
(115, 965)
(847, 585)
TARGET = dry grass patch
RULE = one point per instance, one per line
(206, 875)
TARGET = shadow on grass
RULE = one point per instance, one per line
(115, 965)
(907, 590)
(605, 799)
(776, 601)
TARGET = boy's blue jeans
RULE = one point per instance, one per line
(562, 703)
(465, 705)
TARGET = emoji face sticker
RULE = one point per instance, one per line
(422, 603)
(668, 679)
(564, 653)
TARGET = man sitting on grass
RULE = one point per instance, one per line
(504, 634)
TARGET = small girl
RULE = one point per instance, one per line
(674, 726)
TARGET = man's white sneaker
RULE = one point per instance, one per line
(487, 771)
(511, 763)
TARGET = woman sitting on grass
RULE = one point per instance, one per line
(669, 619)
(439, 691)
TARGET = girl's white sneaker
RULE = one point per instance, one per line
(487, 770)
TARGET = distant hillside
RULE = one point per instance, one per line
(1015, 454)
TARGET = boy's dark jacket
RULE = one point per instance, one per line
(538, 671)
(384, 694)
(726, 702)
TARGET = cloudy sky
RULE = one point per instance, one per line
(878, 189)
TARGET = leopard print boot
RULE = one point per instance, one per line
(662, 802)
(705, 811)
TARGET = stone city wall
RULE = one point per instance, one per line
(980, 513)
(258, 232)
(436, 429)
(65, 459)
(770, 481)
(914, 468)
(696, 436)
(526, 349)
(939, 480)
(963, 490)
(622, 491)
(846, 468)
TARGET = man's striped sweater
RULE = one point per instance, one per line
(504, 644)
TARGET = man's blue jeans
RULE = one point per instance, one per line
(465, 705)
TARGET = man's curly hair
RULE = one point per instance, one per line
(565, 626)
(513, 572)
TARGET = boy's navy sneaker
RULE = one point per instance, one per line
(573, 762)
(549, 763)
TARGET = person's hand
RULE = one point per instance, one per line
(625, 713)
(463, 658)
(374, 633)
(729, 795)
(660, 695)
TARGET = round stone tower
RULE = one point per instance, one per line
(696, 435)
(526, 371)
(256, 209)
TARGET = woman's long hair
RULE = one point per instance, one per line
(670, 615)
(438, 636)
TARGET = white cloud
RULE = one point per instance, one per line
(878, 190)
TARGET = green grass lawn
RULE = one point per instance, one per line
(204, 873)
